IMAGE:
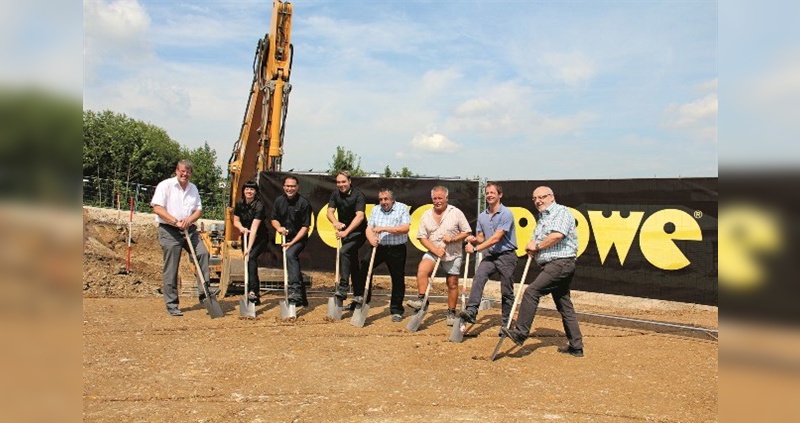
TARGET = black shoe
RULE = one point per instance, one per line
(212, 291)
(176, 312)
(340, 295)
(512, 334)
(467, 317)
(357, 301)
(575, 352)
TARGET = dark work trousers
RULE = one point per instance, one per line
(253, 283)
(172, 242)
(504, 264)
(395, 258)
(348, 263)
(555, 278)
(297, 290)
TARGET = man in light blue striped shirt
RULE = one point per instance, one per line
(387, 231)
(554, 246)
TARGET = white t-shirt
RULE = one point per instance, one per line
(179, 202)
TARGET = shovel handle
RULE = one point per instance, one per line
(430, 280)
(464, 283)
(518, 295)
(369, 274)
(338, 249)
(285, 276)
(246, 277)
(196, 263)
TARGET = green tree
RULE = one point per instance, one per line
(387, 173)
(345, 160)
(405, 173)
(121, 148)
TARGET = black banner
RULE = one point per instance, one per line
(653, 238)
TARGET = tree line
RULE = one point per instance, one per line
(120, 148)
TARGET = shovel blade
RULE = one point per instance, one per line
(416, 320)
(247, 308)
(288, 311)
(457, 333)
(213, 307)
(334, 308)
(360, 316)
(497, 347)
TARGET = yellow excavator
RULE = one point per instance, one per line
(260, 144)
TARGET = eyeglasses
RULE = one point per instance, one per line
(290, 186)
(540, 197)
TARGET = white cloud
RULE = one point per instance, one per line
(436, 143)
(573, 69)
(115, 34)
(697, 118)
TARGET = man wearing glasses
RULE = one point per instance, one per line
(291, 217)
(554, 246)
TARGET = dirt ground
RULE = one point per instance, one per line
(139, 364)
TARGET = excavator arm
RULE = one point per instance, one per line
(260, 144)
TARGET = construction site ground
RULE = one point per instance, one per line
(140, 364)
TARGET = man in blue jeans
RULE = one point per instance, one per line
(497, 240)
(554, 246)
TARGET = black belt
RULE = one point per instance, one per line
(392, 245)
(556, 259)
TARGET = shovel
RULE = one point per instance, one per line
(288, 311)
(517, 297)
(334, 304)
(416, 319)
(246, 308)
(457, 333)
(360, 313)
(211, 303)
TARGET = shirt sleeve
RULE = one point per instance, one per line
(505, 221)
(463, 223)
(332, 201)
(160, 195)
(422, 231)
(405, 216)
(273, 215)
(261, 212)
(562, 220)
(306, 217)
(361, 202)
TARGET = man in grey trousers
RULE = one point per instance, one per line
(176, 203)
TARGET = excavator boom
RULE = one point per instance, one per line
(260, 144)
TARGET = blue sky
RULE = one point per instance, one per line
(496, 89)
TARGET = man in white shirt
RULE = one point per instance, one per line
(176, 203)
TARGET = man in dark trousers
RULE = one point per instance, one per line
(291, 217)
(554, 246)
(346, 210)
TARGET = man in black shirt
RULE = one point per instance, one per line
(346, 212)
(291, 217)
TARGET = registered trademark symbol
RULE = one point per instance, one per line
(698, 214)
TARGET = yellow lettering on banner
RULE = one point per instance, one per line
(745, 233)
(525, 224)
(616, 231)
(325, 228)
(416, 219)
(583, 230)
(368, 212)
(658, 246)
